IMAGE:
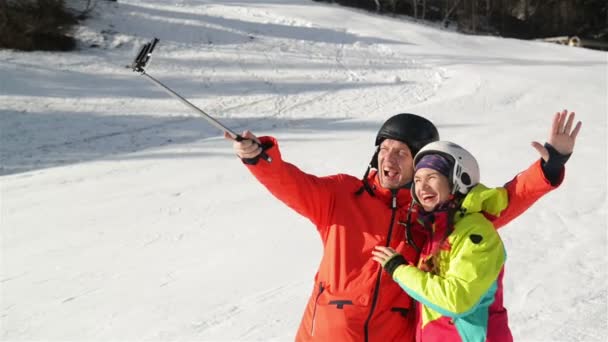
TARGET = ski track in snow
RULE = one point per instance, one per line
(341, 81)
(348, 77)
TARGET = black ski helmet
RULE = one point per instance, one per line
(411, 129)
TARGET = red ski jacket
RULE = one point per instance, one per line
(352, 299)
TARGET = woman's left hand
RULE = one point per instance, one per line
(383, 254)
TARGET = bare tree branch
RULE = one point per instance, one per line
(447, 16)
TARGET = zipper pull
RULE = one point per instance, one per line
(394, 192)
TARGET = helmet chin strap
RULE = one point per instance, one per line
(366, 187)
(373, 163)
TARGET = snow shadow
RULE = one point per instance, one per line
(29, 79)
(192, 28)
(35, 140)
(450, 60)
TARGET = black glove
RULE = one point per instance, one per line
(391, 265)
(552, 169)
(252, 161)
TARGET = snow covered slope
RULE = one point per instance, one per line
(124, 216)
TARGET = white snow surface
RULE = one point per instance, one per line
(126, 217)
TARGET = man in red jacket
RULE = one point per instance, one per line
(353, 300)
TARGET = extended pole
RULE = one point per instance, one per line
(139, 64)
(209, 118)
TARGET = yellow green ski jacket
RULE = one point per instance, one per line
(456, 278)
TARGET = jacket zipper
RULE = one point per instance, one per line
(379, 274)
(314, 311)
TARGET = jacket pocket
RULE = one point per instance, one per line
(339, 316)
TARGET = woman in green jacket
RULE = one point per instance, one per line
(455, 279)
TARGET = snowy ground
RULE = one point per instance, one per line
(124, 216)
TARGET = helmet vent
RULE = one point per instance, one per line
(465, 179)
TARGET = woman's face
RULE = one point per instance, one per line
(432, 188)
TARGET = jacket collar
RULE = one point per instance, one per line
(483, 199)
(437, 225)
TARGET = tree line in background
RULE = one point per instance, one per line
(35, 25)
(46, 24)
(525, 19)
(41, 24)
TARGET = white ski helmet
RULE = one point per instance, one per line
(465, 170)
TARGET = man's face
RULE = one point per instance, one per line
(395, 164)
